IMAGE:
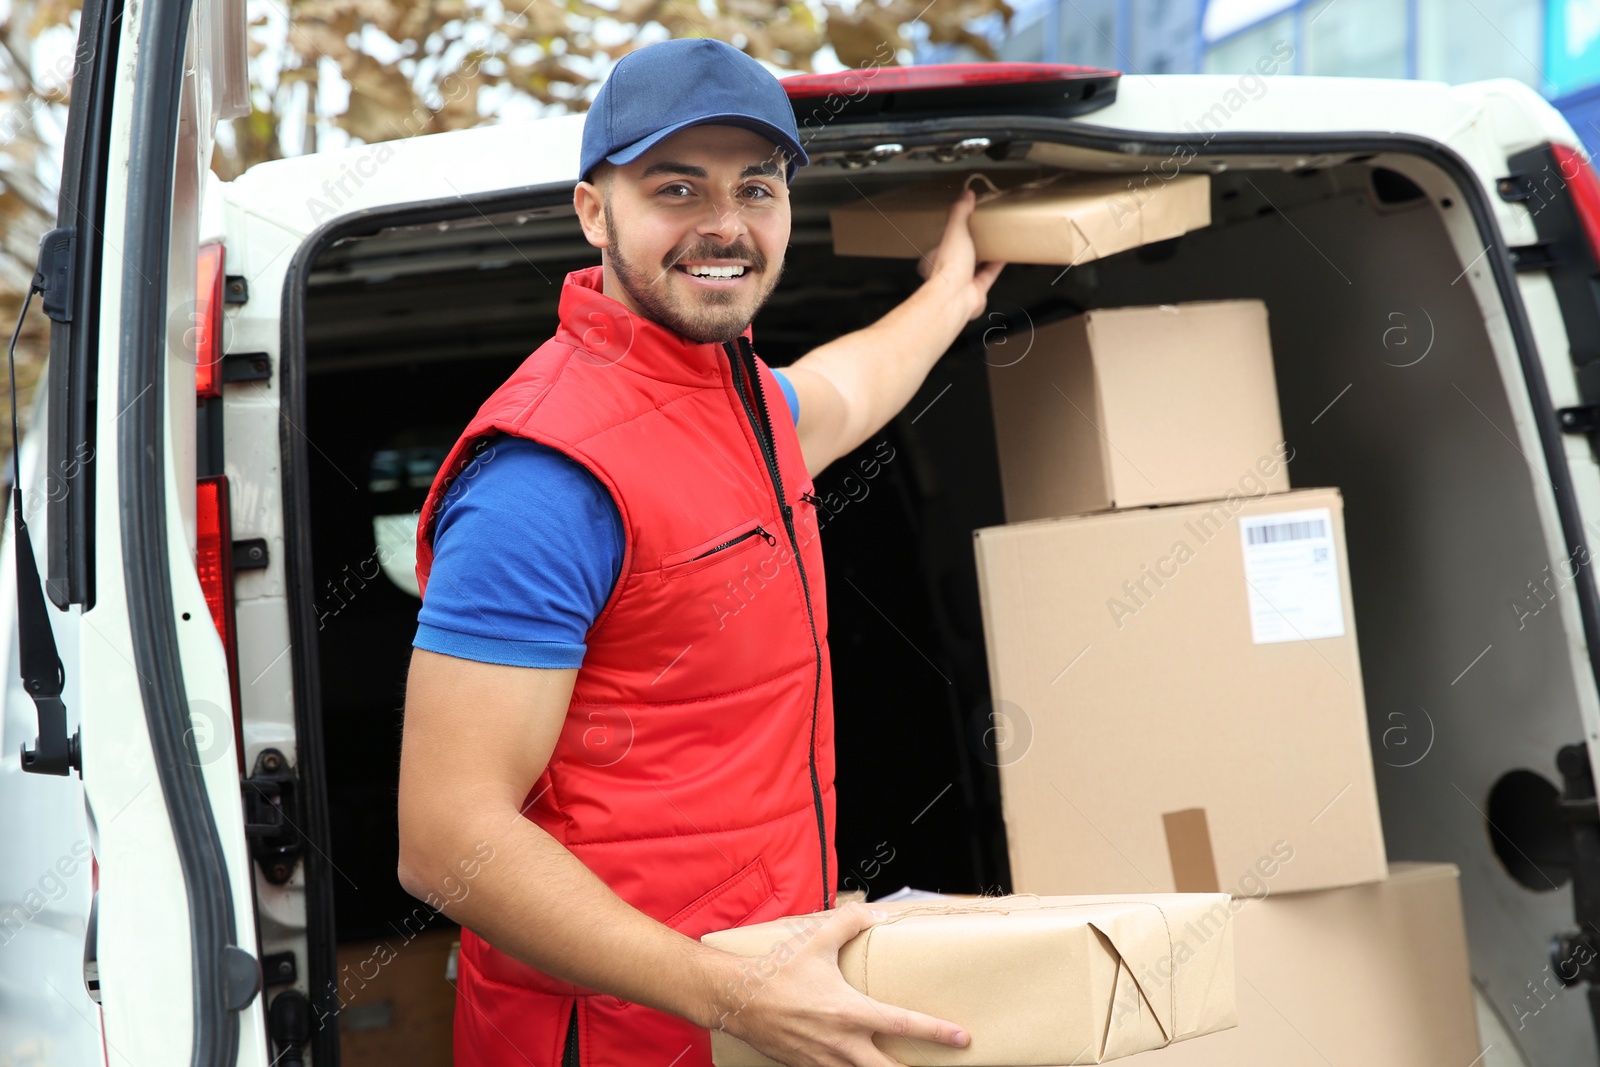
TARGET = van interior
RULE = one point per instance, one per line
(1388, 390)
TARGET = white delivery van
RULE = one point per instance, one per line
(251, 385)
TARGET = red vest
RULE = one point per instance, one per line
(694, 774)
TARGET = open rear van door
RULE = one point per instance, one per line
(135, 548)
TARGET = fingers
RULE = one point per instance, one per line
(956, 223)
(964, 205)
(850, 921)
(915, 1026)
(982, 279)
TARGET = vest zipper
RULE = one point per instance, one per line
(759, 531)
(742, 356)
(569, 1055)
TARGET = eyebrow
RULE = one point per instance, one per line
(766, 168)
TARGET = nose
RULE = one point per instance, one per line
(723, 221)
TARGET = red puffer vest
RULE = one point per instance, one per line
(694, 774)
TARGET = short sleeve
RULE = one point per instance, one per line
(790, 397)
(527, 548)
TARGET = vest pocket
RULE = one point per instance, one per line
(727, 904)
(731, 542)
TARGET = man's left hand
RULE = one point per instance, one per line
(955, 260)
(850, 387)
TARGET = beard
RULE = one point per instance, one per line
(709, 316)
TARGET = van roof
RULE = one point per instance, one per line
(305, 192)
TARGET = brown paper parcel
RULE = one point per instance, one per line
(1054, 219)
(1034, 980)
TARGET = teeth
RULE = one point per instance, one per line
(716, 272)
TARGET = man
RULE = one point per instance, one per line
(618, 729)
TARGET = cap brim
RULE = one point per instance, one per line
(797, 154)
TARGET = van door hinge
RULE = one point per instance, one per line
(250, 555)
(246, 367)
(279, 968)
(1541, 255)
(1515, 188)
(57, 273)
(235, 290)
(272, 816)
(1585, 418)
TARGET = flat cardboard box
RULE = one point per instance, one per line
(1181, 695)
(1375, 975)
(1126, 407)
(1033, 980)
(1049, 217)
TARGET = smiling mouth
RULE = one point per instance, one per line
(714, 272)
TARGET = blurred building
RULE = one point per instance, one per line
(1551, 45)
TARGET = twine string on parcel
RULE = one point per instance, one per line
(1005, 905)
(994, 192)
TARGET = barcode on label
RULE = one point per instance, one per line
(1287, 531)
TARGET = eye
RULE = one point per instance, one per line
(758, 192)
(674, 190)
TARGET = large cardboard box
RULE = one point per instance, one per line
(1052, 218)
(1178, 699)
(1374, 975)
(1124, 407)
(1033, 980)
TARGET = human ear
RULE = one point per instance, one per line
(589, 201)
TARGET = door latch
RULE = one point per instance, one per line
(272, 816)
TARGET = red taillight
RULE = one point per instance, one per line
(935, 76)
(206, 329)
(1579, 175)
(213, 556)
(213, 561)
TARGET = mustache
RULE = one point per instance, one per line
(757, 261)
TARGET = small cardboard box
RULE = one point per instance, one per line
(1181, 698)
(1033, 980)
(1027, 218)
(1125, 407)
(1375, 975)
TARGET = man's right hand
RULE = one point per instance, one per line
(795, 1006)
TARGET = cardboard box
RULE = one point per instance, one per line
(1375, 975)
(395, 1003)
(1181, 702)
(1034, 980)
(1124, 407)
(1053, 217)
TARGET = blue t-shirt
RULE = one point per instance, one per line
(526, 550)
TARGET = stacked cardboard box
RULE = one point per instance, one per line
(1373, 974)
(1172, 627)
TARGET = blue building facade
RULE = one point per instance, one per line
(1550, 45)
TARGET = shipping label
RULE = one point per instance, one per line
(1291, 576)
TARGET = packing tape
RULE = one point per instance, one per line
(1194, 867)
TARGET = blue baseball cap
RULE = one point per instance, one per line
(655, 91)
